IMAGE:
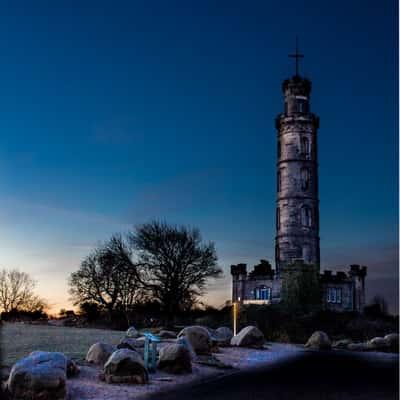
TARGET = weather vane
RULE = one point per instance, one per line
(297, 56)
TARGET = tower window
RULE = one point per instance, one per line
(307, 253)
(279, 148)
(306, 217)
(304, 146)
(278, 218)
(277, 253)
(302, 106)
(305, 178)
(279, 181)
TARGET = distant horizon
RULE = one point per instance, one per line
(113, 116)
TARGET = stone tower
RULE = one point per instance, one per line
(297, 213)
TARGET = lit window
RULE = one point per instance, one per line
(334, 295)
(263, 293)
(338, 296)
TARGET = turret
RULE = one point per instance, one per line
(239, 276)
(297, 212)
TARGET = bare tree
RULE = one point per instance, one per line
(175, 264)
(17, 292)
(106, 277)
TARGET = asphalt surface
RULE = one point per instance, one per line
(313, 375)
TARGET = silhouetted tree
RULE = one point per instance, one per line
(17, 292)
(301, 287)
(107, 277)
(90, 311)
(175, 264)
(377, 307)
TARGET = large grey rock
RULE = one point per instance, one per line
(184, 341)
(357, 346)
(223, 336)
(72, 368)
(167, 334)
(378, 343)
(41, 376)
(175, 358)
(250, 336)
(125, 366)
(393, 342)
(130, 343)
(132, 332)
(99, 353)
(341, 344)
(319, 340)
(199, 338)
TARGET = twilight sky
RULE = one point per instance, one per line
(113, 113)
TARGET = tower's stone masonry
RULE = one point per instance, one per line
(297, 214)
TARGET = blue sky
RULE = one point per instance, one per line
(112, 113)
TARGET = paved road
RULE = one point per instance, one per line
(311, 376)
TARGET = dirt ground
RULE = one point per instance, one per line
(18, 340)
(306, 368)
(87, 385)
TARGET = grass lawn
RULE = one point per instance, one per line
(17, 340)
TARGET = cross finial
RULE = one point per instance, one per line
(297, 56)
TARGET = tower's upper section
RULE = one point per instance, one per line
(297, 95)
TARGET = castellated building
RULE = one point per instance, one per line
(297, 213)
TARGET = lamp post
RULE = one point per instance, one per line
(235, 315)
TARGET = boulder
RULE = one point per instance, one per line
(341, 344)
(185, 342)
(99, 353)
(319, 340)
(167, 334)
(357, 346)
(42, 375)
(130, 343)
(199, 338)
(132, 332)
(72, 368)
(250, 336)
(223, 336)
(125, 366)
(378, 343)
(175, 358)
(393, 342)
(212, 361)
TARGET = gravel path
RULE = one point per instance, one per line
(87, 385)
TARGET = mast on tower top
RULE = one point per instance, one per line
(297, 55)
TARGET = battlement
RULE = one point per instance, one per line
(239, 269)
(262, 270)
(340, 276)
(356, 270)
